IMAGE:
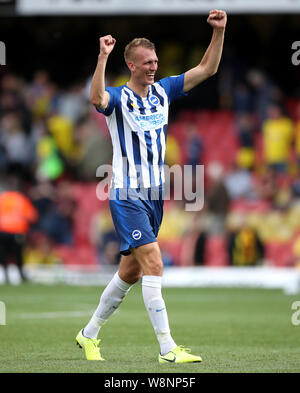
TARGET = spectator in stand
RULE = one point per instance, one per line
(242, 99)
(245, 129)
(277, 139)
(37, 89)
(38, 86)
(193, 149)
(264, 93)
(17, 146)
(72, 103)
(173, 152)
(244, 245)
(171, 55)
(297, 133)
(266, 185)
(50, 165)
(61, 128)
(56, 207)
(105, 238)
(95, 149)
(194, 146)
(212, 219)
(16, 215)
(12, 99)
(295, 187)
(40, 250)
(238, 181)
(42, 95)
(3, 157)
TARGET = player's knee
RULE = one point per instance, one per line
(131, 276)
(150, 260)
(130, 270)
(135, 276)
(155, 268)
(152, 264)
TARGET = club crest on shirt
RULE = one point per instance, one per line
(154, 100)
(136, 234)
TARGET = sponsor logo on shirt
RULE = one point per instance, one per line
(147, 122)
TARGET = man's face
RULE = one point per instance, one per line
(143, 65)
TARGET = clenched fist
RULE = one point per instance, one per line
(107, 44)
(217, 19)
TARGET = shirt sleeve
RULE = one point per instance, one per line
(173, 86)
(113, 97)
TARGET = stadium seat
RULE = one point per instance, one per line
(246, 205)
(216, 251)
(173, 248)
(88, 205)
(279, 254)
(77, 255)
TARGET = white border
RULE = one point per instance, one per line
(135, 7)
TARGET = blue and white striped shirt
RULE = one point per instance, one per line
(138, 129)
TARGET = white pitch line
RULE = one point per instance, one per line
(57, 314)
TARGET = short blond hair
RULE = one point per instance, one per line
(135, 43)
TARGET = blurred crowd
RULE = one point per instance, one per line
(250, 150)
(49, 140)
(52, 141)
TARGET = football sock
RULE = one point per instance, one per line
(155, 305)
(110, 300)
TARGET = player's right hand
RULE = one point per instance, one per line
(107, 44)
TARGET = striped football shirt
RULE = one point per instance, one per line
(138, 129)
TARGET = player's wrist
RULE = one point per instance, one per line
(103, 56)
(219, 29)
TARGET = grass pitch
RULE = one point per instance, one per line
(234, 330)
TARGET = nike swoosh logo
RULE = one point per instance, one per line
(170, 360)
(160, 309)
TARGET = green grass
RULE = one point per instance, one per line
(234, 330)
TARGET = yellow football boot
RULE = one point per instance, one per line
(179, 355)
(90, 346)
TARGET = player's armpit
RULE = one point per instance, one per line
(101, 103)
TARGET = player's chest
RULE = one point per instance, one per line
(142, 116)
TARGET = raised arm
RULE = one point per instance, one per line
(98, 96)
(211, 59)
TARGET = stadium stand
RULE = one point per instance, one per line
(55, 141)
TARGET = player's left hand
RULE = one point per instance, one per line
(217, 19)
